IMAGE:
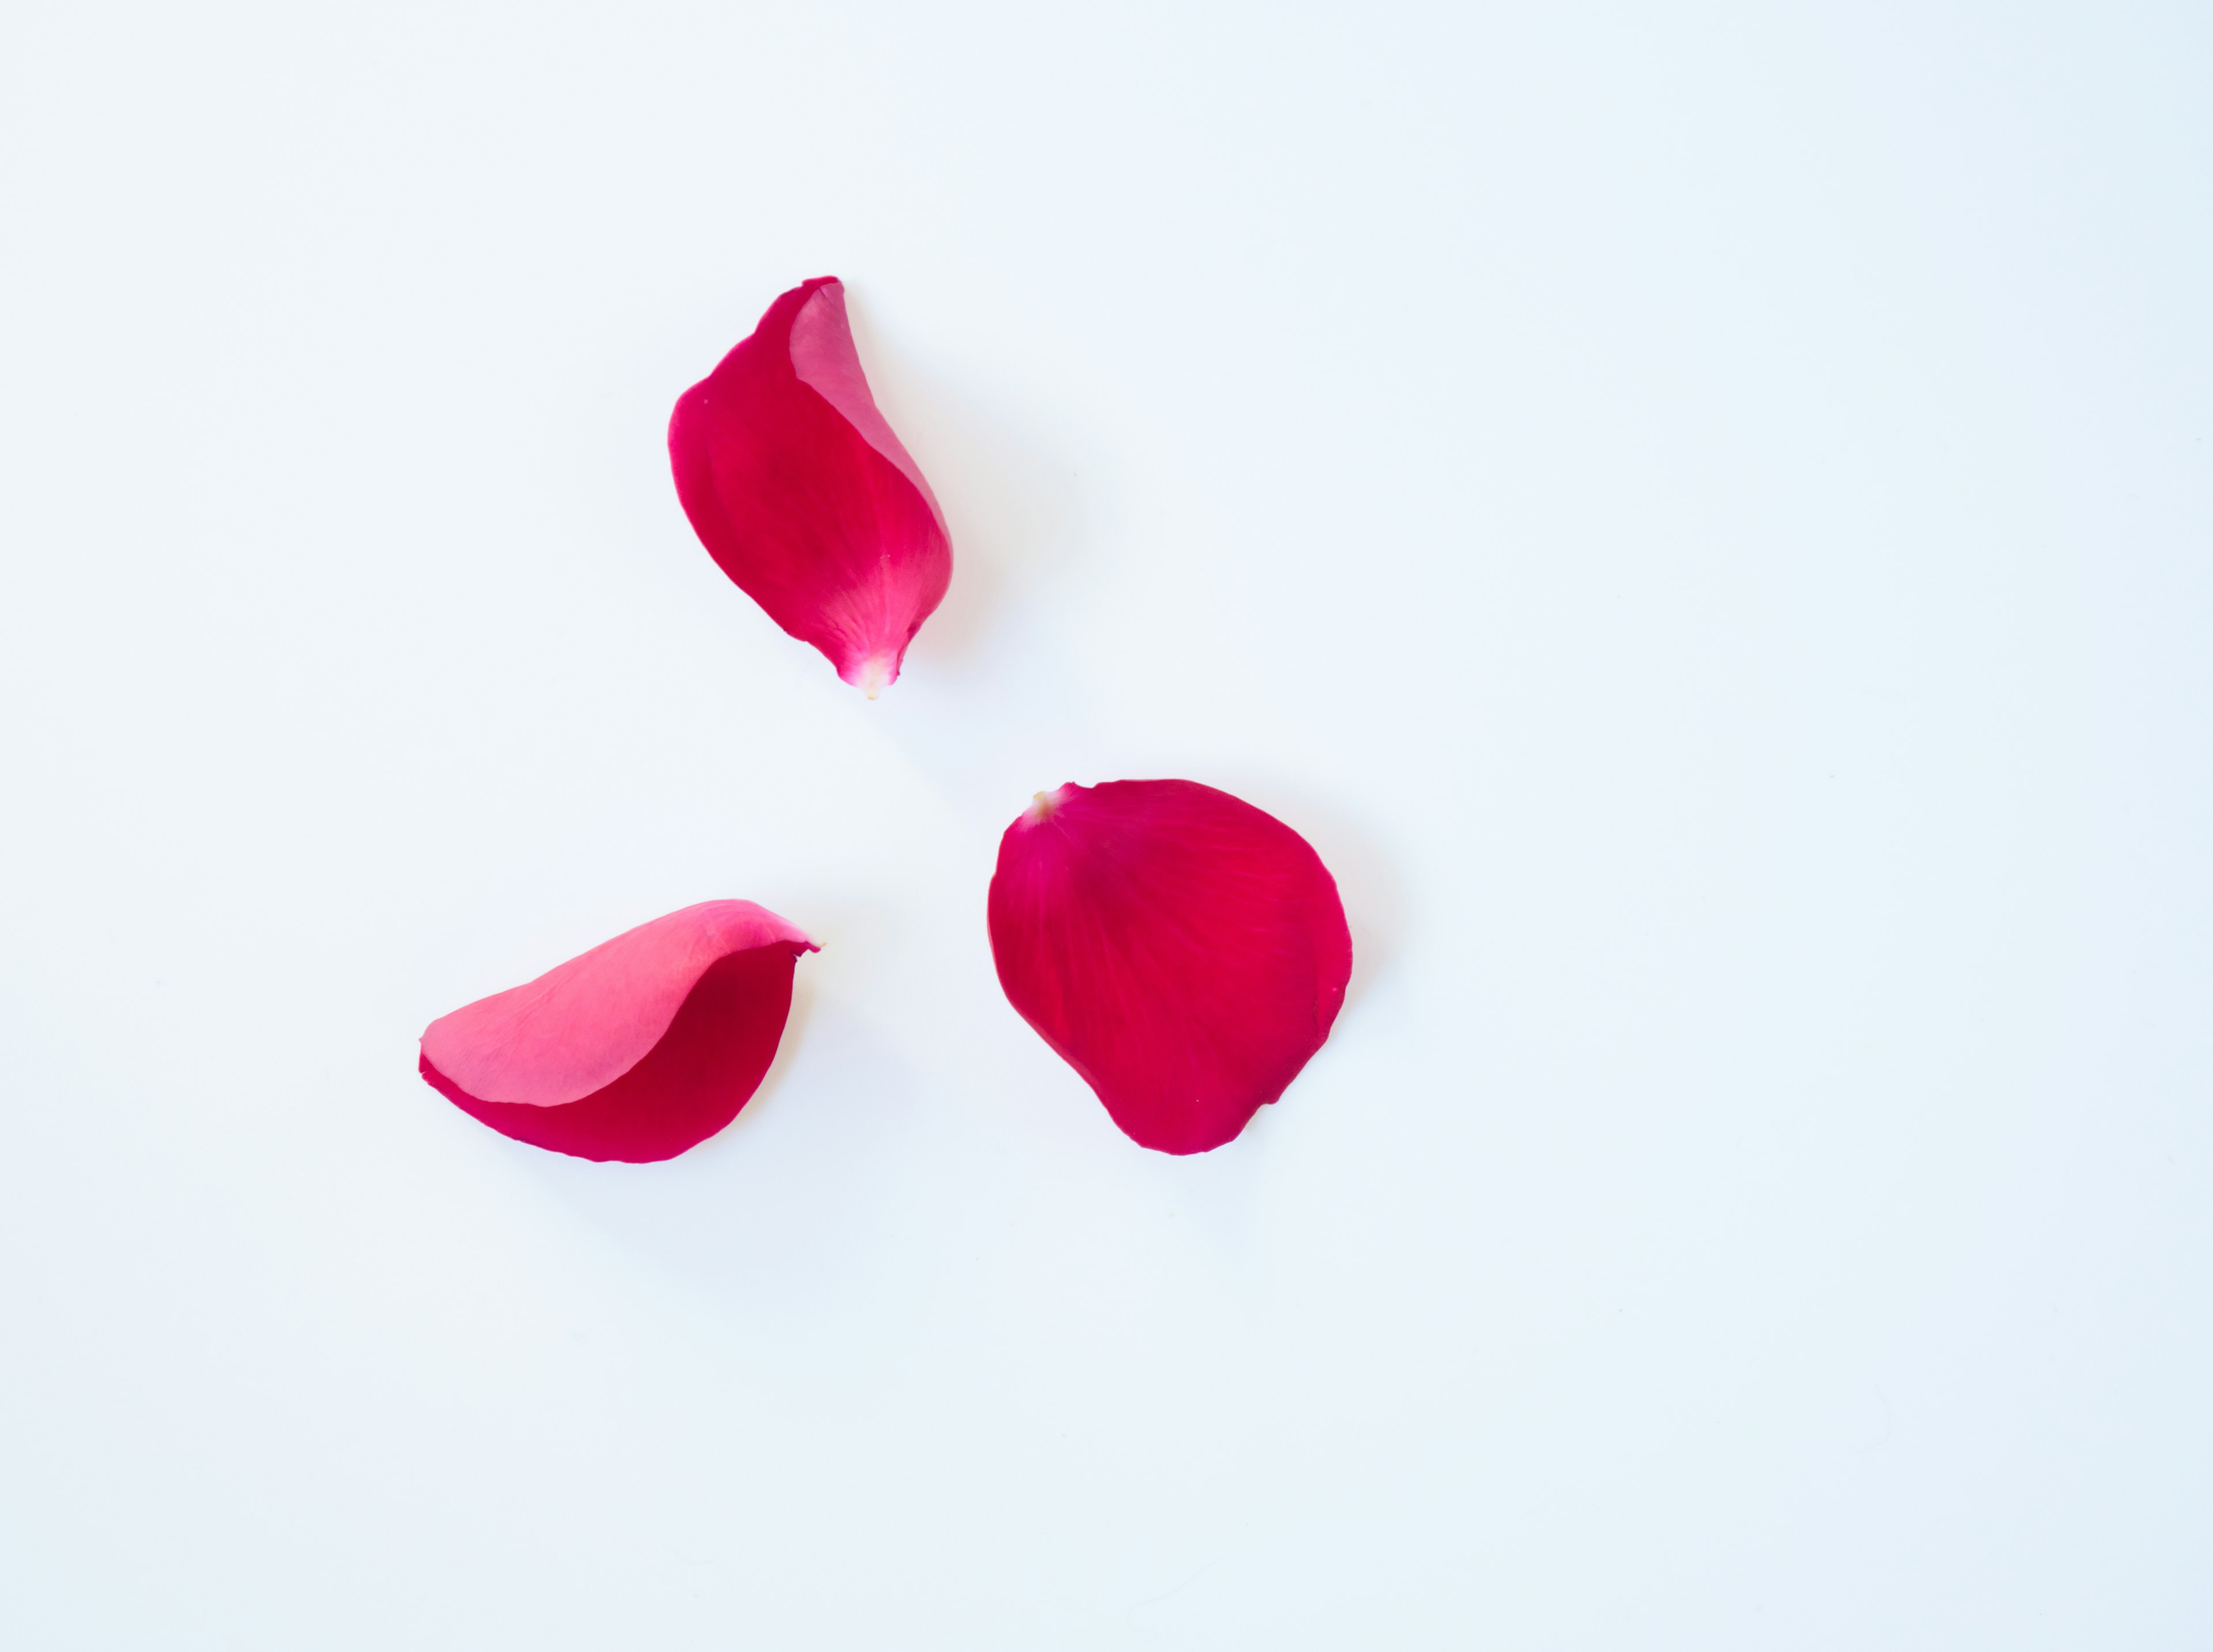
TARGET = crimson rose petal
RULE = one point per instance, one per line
(1183, 951)
(639, 1049)
(801, 492)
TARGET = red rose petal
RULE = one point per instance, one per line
(801, 492)
(1183, 951)
(639, 1049)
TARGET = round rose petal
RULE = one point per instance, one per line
(637, 1050)
(804, 496)
(1182, 950)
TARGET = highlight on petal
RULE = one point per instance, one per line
(642, 1047)
(801, 492)
(1182, 950)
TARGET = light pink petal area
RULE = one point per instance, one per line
(1182, 950)
(637, 1050)
(804, 496)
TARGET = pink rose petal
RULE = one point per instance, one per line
(801, 492)
(637, 1050)
(1183, 951)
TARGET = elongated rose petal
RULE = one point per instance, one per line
(1183, 951)
(642, 1047)
(799, 489)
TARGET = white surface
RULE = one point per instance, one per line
(1700, 515)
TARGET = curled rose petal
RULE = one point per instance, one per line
(801, 492)
(637, 1050)
(1183, 951)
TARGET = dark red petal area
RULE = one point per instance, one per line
(803, 496)
(1182, 950)
(637, 1050)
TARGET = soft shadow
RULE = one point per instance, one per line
(767, 1215)
(770, 1216)
(1215, 1194)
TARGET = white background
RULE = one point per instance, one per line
(1700, 512)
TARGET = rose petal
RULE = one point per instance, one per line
(1183, 951)
(640, 1048)
(799, 489)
